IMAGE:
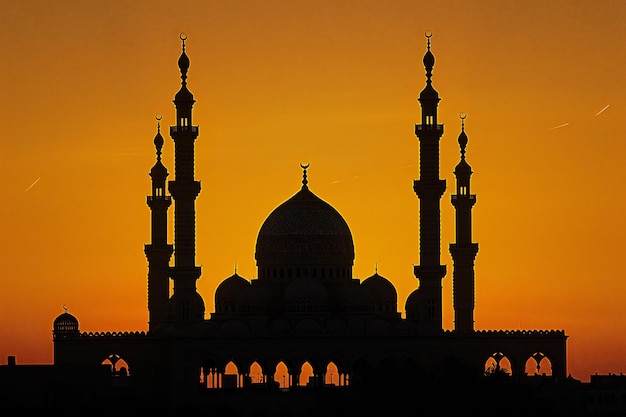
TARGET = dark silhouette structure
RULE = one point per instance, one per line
(338, 340)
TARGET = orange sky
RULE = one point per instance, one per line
(333, 83)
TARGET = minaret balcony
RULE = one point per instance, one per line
(471, 197)
(159, 198)
(422, 128)
(176, 129)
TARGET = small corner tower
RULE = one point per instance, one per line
(425, 304)
(464, 250)
(158, 251)
(186, 305)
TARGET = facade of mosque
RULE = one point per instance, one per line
(304, 312)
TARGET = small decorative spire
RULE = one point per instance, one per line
(158, 139)
(376, 268)
(183, 61)
(429, 58)
(64, 308)
(235, 268)
(304, 180)
(462, 135)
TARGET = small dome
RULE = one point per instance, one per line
(65, 324)
(412, 305)
(381, 288)
(384, 295)
(230, 289)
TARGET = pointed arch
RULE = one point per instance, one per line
(257, 375)
(332, 375)
(498, 364)
(282, 378)
(118, 365)
(306, 375)
(538, 364)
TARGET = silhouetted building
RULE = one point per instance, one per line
(340, 339)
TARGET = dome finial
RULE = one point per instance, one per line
(64, 308)
(462, 136)
(304, 180)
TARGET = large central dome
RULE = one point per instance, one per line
(304, 236)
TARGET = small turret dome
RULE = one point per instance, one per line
(383, 292)
(227, 294)
(65, 325)
(230, 289)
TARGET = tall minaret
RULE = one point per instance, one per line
(463, 251)
(429, 189)
(186, 304)
(158, 251)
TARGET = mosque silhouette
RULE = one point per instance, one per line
(340, 339)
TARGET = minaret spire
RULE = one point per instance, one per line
(425, 304)
(158, 252)
(187, 305)
(464, 250)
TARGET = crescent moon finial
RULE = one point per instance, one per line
(183, 36)
(64, 308)
(428, 34)
(462, 116)
(304, 180)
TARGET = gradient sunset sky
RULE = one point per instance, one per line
(333, 84)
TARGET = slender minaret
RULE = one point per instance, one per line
(187, 305)
(158, 251)
(429, 189)
(464, 250)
